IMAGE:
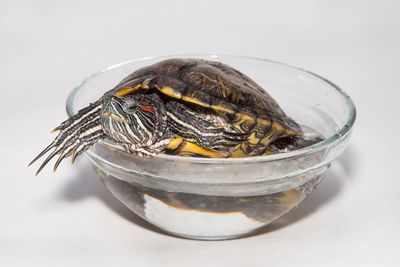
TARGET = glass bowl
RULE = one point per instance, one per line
(204, 198)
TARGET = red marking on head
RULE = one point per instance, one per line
(147, 108)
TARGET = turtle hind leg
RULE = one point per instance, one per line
(290, 143)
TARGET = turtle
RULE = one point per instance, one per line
(184, 107)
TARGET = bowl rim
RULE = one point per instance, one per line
(327, 142)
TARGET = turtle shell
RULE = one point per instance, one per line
(209, 84)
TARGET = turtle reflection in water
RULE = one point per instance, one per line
(184, 107)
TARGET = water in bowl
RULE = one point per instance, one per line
(203, 216)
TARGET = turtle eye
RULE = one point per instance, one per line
(131, 107)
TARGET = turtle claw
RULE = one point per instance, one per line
(58, 128)
(46, 161)
(60, 158)
(74, 155)
(53, 144)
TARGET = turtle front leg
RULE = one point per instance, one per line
(76, 135)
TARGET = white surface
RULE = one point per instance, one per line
(69, 219)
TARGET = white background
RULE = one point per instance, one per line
(69, 219)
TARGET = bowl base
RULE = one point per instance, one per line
(206, 217)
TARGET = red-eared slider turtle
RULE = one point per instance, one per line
(186, 107)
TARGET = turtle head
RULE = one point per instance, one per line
(137, 121)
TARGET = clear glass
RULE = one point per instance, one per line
(214, 199)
